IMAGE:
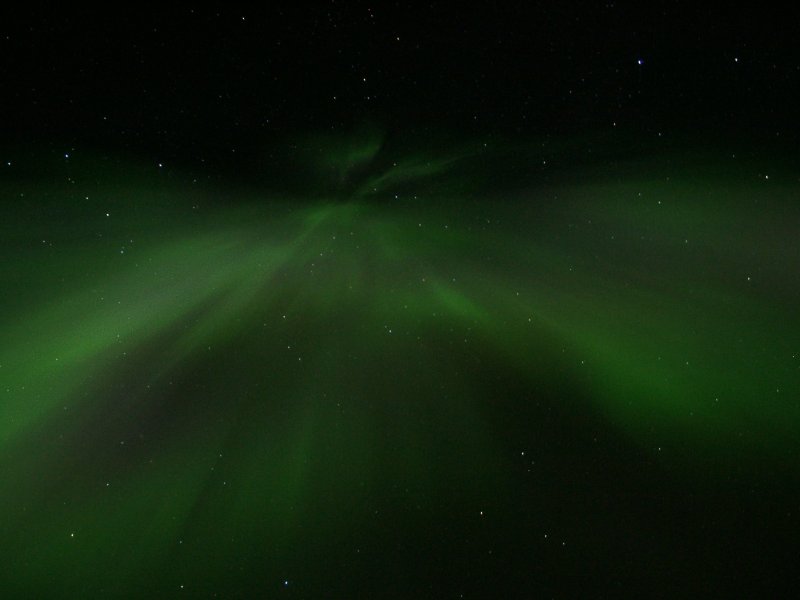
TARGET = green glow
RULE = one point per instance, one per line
(246, 373)
(341, 159)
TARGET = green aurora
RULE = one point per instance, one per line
(206, 388)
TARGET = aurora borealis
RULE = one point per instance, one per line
(354, 301)
(188, 383)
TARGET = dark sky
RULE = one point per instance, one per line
(349, 300)
(183, 81)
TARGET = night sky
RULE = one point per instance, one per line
(349, 300)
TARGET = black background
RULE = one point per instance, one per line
(208, 86)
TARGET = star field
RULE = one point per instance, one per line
(382, 301)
